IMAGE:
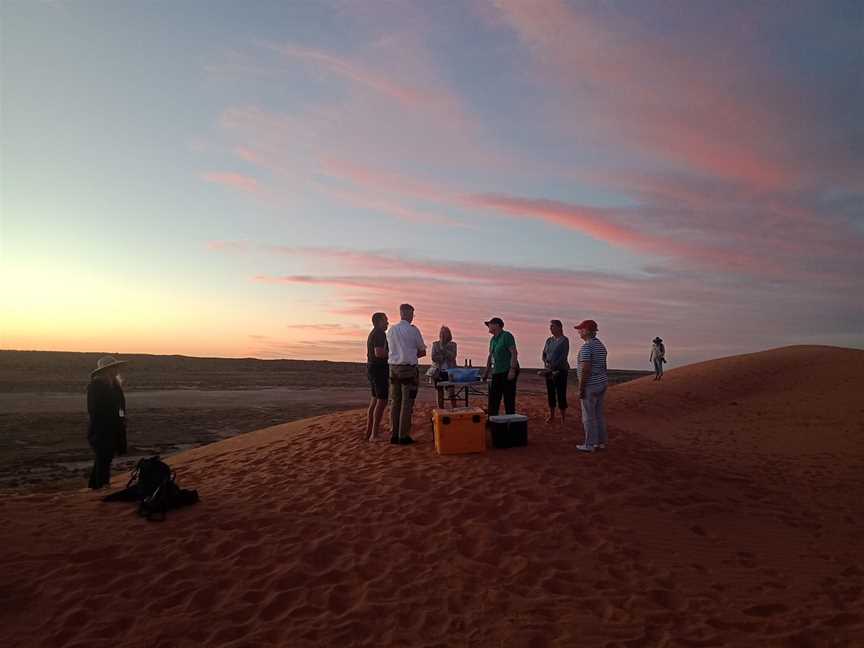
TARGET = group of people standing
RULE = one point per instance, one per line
(591, 372)
(393, 355)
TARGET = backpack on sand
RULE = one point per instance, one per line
(152, 483)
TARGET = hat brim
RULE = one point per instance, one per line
(108, 366)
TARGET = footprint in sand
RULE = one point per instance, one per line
(668, 599)
(844, 619)
(746, 559)
(765, 610)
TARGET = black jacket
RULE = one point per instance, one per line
(107, 430)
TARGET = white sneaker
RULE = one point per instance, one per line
(585, 448)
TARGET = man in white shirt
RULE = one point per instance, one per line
(406, 345)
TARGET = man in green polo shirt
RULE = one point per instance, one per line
(503, 364)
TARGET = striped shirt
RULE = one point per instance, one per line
(594, 352)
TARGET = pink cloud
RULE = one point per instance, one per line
(596, 223)
(232, 180)
(779, 227)
(229, 246)
(697, 224)
(690, 224)
(356, 72)
(601, 224)
(398, 71)
(643, 91)
(386, 181)
(593, 222)
(372, 266)
(722, 204)
(363, 200)
(629, 307)
(397, 104)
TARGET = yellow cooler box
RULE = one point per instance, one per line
(459, 430)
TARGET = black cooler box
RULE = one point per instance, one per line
(509, 430)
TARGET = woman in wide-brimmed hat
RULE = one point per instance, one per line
(106, 405)
(658, 357)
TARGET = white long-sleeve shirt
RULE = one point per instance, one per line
(404, 340)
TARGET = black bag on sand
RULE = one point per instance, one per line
(152, 483)
(167, 496)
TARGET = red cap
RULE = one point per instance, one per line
(590, 325)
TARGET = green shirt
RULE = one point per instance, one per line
(499, 348)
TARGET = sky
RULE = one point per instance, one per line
(256, 179)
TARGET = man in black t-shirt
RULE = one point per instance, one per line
(377, 352)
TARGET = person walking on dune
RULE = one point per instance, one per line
(106, 407)
(556, 369)
(658, 357)
(503, 364)
(406, 347)
(593, 382)
(377, 371)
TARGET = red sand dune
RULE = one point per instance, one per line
(726, 512)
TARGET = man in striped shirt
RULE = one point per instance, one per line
(593, 381)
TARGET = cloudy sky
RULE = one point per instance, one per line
(255, 179)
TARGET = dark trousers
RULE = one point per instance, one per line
(499, 387)
(101, 473)
(556, 390)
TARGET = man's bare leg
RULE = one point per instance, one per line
(380, 406)
(551, 417)
(370, 414)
